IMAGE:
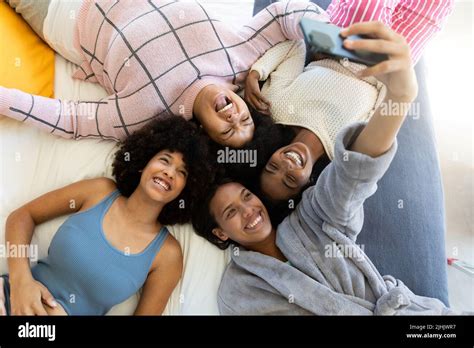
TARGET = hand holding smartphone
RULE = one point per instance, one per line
(325, 38)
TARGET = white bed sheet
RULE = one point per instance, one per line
(34, 162)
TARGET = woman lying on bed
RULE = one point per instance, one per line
(116, 241)
(310, 263)
(156, 57)
(318, 100)
(159, 57)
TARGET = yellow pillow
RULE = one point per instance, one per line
(26, 62)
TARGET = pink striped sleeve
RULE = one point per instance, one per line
(417, 20)
(345, 12)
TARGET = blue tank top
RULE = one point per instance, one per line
(84, 272)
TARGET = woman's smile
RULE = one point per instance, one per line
(297, 153)
(255, 221)
(161, 183)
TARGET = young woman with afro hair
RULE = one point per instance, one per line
(115, 242)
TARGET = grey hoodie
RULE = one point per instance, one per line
(327, 273)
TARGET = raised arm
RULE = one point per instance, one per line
(67, 119)
(396, 73)
(28, 295)
(364, 152)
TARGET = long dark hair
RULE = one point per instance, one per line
(203, 221)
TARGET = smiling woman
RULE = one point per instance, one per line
(174, 135)
(165, 73)
(159, 172)
(285, 268)
(289, 169)
(224, 115)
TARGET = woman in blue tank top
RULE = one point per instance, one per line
(115, 242)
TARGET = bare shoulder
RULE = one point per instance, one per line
(104, 184)
(170, 255)
(171, 249)
(98, 189)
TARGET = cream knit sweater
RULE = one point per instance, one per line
(323, 97)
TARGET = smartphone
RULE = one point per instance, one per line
(325, 38)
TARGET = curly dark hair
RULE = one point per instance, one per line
(175, 134)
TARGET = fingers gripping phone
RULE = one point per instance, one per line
(325, 38)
